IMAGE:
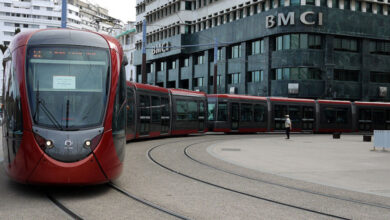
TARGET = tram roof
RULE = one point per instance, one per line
(187, 92)
(387, 104)
(285, 99)
(147, 87)
(233, 96)
(334, 102)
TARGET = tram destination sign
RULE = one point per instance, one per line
(306, 18)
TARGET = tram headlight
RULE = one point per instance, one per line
(87, 143)
(49, 144)
(42, 142)
(93, 143)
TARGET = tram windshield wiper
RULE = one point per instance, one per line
(41, 103)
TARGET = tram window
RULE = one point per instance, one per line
(246, 112)
(201, 108)
(193, 110)
(330, 115)
(145, 105)
(365, 114)
(294, 113)
(13, 109)
(308, 112)
(259, 113)
(165, 106)
(211, 112)
(130, 103)
(119, 114)
(181, 110)
(156, 109)
(280, 111)
(342, 116)
(222, 111)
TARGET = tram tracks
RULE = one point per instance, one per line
(61, 206)
(263, 198)
(282, 185)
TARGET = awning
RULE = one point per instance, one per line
(124, 33)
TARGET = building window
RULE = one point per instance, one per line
(299, 73)
(295, 2)
(298, 41)
(188, 5)
(198, 82)
(369, 7)
(185, 62)
(379, 8)
(36, 7)
(280, 3)
(199, 59)
(310, 2)
(256, 76)
(7, 4)
(380, 77)
(345, 44)
(257, 47)
(235, 51)
(346, 75)
(335, 4)
(218, 80)
(324, 3)
(219, 54)
(358, 5)
(255, 9)
(347, 4)
(379, 47)
(234, 78)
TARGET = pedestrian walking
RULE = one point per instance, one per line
(287, 125)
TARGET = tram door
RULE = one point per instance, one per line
(308, 118)
(130, 123)
(235, 115)
(165, 115)
(378, 120)
(144, 115)
(201, 115)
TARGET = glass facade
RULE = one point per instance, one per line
(298, 41)
(298, 73)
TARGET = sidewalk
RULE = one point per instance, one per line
(346, 163)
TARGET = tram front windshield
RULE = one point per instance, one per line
(67, 86)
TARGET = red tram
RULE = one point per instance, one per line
(64, 107)
(154, 111)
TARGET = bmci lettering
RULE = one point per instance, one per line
(306, 18)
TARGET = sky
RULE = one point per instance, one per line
(121, 9)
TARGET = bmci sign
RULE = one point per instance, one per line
(306, 18)
(161, 48)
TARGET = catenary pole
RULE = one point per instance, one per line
(215, 65)
(64, 13)
(143, 67)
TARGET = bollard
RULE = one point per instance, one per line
(367, 138)
(336, 135)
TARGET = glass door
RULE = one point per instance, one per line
(144, 115)
(235, 109)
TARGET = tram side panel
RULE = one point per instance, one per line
(334, 116)
(371, 116)
(188, 113)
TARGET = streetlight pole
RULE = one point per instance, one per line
(64, 13)
(143, 67)
(215, 65)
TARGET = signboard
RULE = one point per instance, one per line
(161, 48)
(293, 88)
(382, 138)
(64, 82)
(306, 18)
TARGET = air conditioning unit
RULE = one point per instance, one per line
(293, 88)
(382, 91)
(197, 90)
(233, 90)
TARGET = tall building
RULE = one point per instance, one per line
(40, 14)
(33, 14)
(126, 37)
(95, 18)
(332, 49)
